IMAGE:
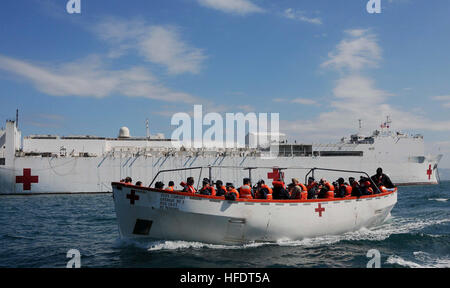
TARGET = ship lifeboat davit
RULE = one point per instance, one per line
(170, 215)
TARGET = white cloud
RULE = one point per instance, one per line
(157, 44)
(300, 16)
(304, 101)
(357, 51)
(241, 7)
(91, 78)
(444, 99)
(356, 96)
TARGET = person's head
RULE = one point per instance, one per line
(340, 181)
(138, 183)
(351, 180)
(246, 181)
(159, 185)
(219, 184)
(128, 180)
(310, 180)
(379, 171)
(230, 186)
(261, 182)
(171, 183)
(295, 181)
(322, 181)
(190, 181)
(205, 182)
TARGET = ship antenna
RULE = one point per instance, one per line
(147, 128)
(17, 118)
(360, 125)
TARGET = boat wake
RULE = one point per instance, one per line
(391, 227)
(421, 260)
(438, 199)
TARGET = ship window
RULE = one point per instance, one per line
(296, 150)
(2, 161)
(416, 159)
(142, 227)
(339, 153)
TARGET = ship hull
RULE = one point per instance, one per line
(94, 174)
(177, 216)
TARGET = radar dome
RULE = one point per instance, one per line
(124, 132)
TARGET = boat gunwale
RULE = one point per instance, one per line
(208, 197)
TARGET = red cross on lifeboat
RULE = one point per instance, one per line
(429, 172)
(275, 174)
(133, 197)
(320, 209)
(27, 179)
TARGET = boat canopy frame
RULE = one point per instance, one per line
(311, 172)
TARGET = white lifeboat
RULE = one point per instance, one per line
(173, 215)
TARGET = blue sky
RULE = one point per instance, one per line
(321, 64)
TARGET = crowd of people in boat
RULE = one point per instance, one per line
(323, 189)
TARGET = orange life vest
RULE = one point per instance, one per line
(278, 184)
(170, 188)
(269, 194)
(233, 191)
(245, 192)
(212, 191)
(302, 186)
(330, 192)
(189, 189)
(348, 191)
(312, 185)
(223, 188)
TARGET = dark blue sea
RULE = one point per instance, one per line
(38, 231)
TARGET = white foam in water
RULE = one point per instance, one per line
(439, 199)
(425, 259)
(176, 245)
(380, 233)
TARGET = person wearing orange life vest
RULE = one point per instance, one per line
(342, 189)
(245, 191)
(171, 186)
(207, 189)
(365, 186)
(302, 192)
(220, 189)
(313, 188)
(263, 191)
(279, 190)
(355, 187)
(232, 194)
(188, 186)
(326, 190)
(128, 181)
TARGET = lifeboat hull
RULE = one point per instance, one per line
(155, 214)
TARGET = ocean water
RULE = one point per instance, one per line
(38, 231)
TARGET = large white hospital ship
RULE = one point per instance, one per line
(88, 164)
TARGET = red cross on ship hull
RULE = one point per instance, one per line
(27, 179)
(429, 172)
(320, 209)
(133, 197)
